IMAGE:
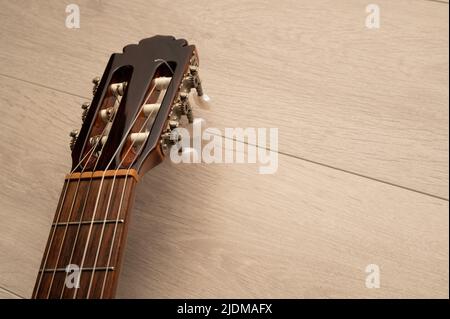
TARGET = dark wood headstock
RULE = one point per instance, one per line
(118, 131)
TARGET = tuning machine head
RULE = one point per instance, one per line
(170, 138)
(139, 115)
(85, 107)
(96, 82)
(182, 106)
(74, 136)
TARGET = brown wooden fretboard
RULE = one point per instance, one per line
(89, 232)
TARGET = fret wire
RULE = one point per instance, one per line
(120, 204)
(46, 254)
(109, 199)
(85, 268)
(96, 203)
(86, 222)
(83, 210)
(65, 231)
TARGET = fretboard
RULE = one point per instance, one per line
(87, 236)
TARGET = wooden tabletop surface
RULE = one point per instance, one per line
(363, 158)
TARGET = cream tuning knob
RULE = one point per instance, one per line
(162, 82)
(118, 88)
(107, 115)
(139, 138)
(151, 109)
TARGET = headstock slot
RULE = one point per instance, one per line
(143, 67)
(103, 118)
(148, 113)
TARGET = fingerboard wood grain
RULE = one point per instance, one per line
(88, 232)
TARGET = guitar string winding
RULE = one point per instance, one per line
(87, 195)
(84, 204)
(121, 199)
(120, 205)
(101, 185)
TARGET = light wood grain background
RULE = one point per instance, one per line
(363, 146)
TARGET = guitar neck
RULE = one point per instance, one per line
(84, 250)
(137, 105)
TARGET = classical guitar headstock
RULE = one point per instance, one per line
(138, 101)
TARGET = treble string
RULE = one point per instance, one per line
(121, 201)
(117, 218)
(101, 185)
(85, 199)
(73, 204)
(110, 196)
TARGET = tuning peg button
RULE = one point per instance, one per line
(107, 115)
(74, 136)
(118, 89)
(96, 82)
(85, 107)
(192, 81)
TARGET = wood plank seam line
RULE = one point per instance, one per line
(437, 1)
(343, 170)
(12, 292)
(268, 149)
(42, 86)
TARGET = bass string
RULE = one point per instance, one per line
(100, 188)
(109, 201)
(73, 204)
(120, 207)
(57, 219)
(85, 199)
(65, 229)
